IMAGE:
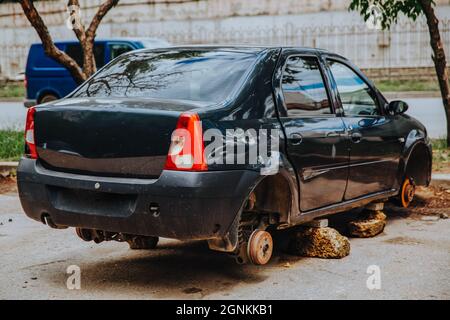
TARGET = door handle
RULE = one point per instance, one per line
(295, 138)
(356, 137)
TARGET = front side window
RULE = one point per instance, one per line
(74, 51)
(193, 75)
(303, 88)
(356, 96)
(118, 49)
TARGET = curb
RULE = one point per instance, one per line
(9, 164)
(441, 180)
(7, 167)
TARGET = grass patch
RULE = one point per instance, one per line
(12, 90)
(439, 144)
(11, 145)
(406, 85)
(441, 155)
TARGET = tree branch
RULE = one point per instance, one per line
(49, 47)
(88, 48)
(78, 29)
(102, 11)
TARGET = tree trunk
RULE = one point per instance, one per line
(91, 33)
(87, 44)
(78, 29)
(50, 49)
(440, 61)
(85, 37)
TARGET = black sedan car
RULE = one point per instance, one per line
(147, 147)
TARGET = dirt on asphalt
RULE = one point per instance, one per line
(8, 185)
(432, 197)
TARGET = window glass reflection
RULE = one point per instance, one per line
(176, 74)
(356, 96)
(303, 87)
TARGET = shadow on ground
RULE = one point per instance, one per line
(173, 270)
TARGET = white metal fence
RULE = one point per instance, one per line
(405, 45)
(12, 60)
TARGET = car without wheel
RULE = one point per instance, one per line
(128, 155)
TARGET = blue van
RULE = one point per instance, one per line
(47, 80)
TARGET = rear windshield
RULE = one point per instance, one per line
(201, 75)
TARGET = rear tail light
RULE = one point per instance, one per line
(187, 151)
(29, 134)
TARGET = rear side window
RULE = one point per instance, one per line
(75, 52)
(200, 75)
(117, 49)
(303, 88)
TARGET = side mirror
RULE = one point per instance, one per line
(396, 107)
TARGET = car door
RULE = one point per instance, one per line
(373, 137)
(316, 142)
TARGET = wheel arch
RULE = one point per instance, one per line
(46, 91)
(277, 193)
(283, 201)
(416, 163)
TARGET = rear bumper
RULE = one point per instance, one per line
(192, 205)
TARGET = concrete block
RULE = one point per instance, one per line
(319, 223)
(375, 206)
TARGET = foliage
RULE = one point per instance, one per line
(11, 145)
(389, 9)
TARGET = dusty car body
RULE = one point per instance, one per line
(98, 159)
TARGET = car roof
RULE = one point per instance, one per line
(256, 49)
(239, 48)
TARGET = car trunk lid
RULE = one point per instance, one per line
(107, 137)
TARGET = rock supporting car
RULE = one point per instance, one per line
(128, 157)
